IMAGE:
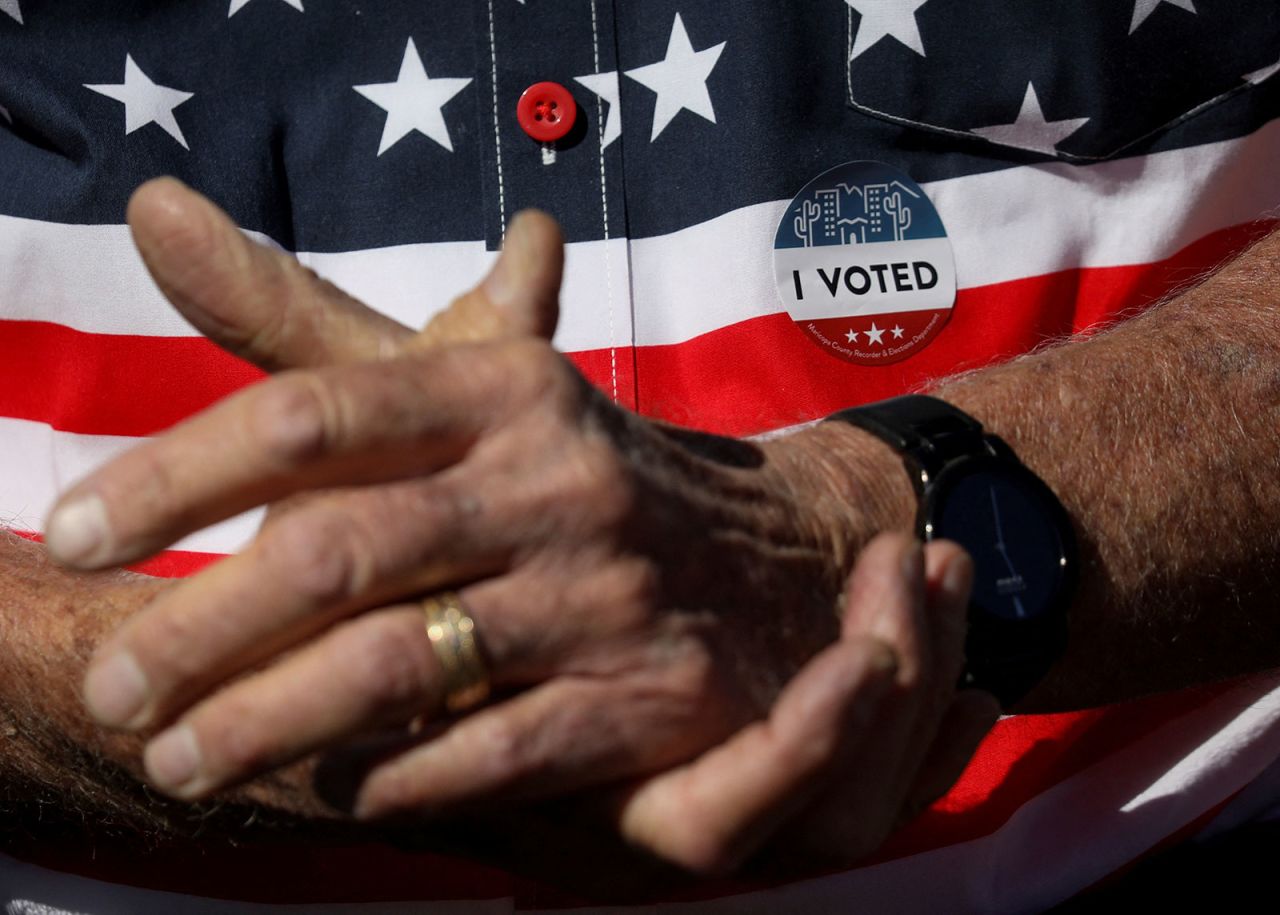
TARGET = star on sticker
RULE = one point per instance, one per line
(607, 87)
(1257, 76)
(851, 336)
(413, 102)
(11, 7)
(897, 331)
(238, 5)
(145, 102)
(874, 335)
(680, 79)
(887, 18)
(1144, 8)
(1031, 130)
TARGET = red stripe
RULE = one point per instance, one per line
(1023, 757)
(754, 375)
(1027, 755)
(108, 384)
(1020, 759)
(765, 373)
(169, 564)
(136, 385)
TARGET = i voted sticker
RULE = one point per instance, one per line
(863, 264)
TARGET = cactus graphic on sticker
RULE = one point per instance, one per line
(863, 264)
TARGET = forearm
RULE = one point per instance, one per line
(54, 761)
(1162, 439)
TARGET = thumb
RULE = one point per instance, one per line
(254, 301)
(519, 297)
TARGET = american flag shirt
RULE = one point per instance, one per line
(1086, 157)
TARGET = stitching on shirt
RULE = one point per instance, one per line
(497, 137)
(1057, 153)
(604, 203)
(848, 57)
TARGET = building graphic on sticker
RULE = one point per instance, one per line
(850, 214)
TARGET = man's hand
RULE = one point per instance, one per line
(642, 593)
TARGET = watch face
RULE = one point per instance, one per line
(1008, 528)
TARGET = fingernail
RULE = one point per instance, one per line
(883, 660)
(173, 758)
(115, 690)
(506, 280)
(78, 531)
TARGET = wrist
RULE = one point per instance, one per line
(851, 486)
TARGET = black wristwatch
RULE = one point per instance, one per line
(974, 490)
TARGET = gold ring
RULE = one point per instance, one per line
(453, 638)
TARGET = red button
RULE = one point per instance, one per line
(546, 111)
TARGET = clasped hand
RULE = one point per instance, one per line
(658, 609)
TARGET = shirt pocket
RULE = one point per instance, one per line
(1079, 80)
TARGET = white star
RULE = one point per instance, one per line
(4, 113)
(851, 336)
(1031, 130)
(897, 332)
(892, 18)
(874, 335)
(1144, 8)
(680, 79)
(11, 7)
(606, 86)
(145, 102)
(413, 102)
(1258, 76)
(238, 5)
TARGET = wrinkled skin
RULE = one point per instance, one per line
(664, 614)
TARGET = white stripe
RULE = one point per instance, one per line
(412, 282)
(1005, 225)
(1062, 841)
(38, 462)
(878, 278)
(1058, 843)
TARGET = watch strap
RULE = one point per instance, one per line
(1005, 658)
(927, 432)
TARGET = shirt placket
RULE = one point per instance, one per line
(577, 179)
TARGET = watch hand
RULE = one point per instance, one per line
(1000, 546)
(995, 513)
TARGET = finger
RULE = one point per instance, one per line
(342, 426)
(968, 720)
(885, 600)
(948, 583)
(948, 577)
(377, 670)
(710, 815)
(256, 302)
(886, 597)
(349, 552)
(519, 297)
(380, 669)
(565, 735)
